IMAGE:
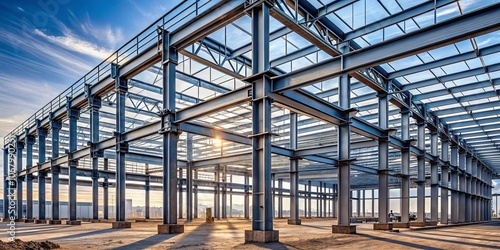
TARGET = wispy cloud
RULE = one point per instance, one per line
(76, 44)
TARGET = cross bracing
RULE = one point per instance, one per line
(411, 89)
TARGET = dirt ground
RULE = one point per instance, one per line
(229, 234)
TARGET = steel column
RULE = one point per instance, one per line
(468, 186)
(463, 187)
(294, 172)
(309, 195)
(73, 116)
(405, 167)
(262, 219)
(454, 206)
(444, 180)
(94, 103)
(30, 140)
(105, 191)
(247, 198)
(121, 89)
(280, 198)
(55, 170)
(189, 177)
(195, 196)
(147, 188)
(180, 199)
(6, 170)
(169, 131)
(421, 172)
(344, 152)
(434, 177)
(383, 159)
(19, 165)
(224, 193)
(41, 195)
(473, 191)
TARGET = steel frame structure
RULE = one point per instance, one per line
(339, 119)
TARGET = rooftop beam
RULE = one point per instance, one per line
(457, 29)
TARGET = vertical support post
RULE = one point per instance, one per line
(344, 154)
(181, 202)
(247, 197)
(147, 187)
(280, 198)
(373, 202)
(170, 133)
(121, 89)
(405, 167)
(94, 103)
(434, 177)
(262, 219)
(224, 192)
(55, 170)
(195, 195)
(19, 165)
(217, 193)
(73, 115)
(454, 185)
(105, 191)
(468, 185)
(5, 182)
(189, 177)
(364, 203)
(421, 172)
(309, 195)
(41, 196)
(30, 140)
(383, 160)
(463, 187)
(444, 180)
(473, 190)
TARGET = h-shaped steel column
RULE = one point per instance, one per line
(444, 180)
(94, 103)
(189, 177)
(462, 185)
(105, 192)
(19, 165)
(405, 167)
(73, 115)
(6, 166)
(294, 173)
(421, 171)
(246, 202)
(434, 177)
(280, 198)
(55, 127)
(454, 206)
(473, 190)
(468, 185)
(170, 132)
(383, 159)
(42, 136)
(29, 140)
(262, 219)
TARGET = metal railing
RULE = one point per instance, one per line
(172, 20)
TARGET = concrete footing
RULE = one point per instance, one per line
(423, 223)
(340, 229)
(29, 221)
(401, 225)
(95, 221)
(382, 226)
(170, 229)
(73, 222)
(258, 236)
(294, 222)
(40, 221)
(141, 220)
(121, 224)
(54, 222)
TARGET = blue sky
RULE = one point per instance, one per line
(46, 48)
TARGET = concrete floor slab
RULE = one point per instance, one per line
(312, 234)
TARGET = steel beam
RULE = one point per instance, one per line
(457, 29)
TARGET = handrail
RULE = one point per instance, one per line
(172, 20)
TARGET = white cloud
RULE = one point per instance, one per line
(73, 43)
